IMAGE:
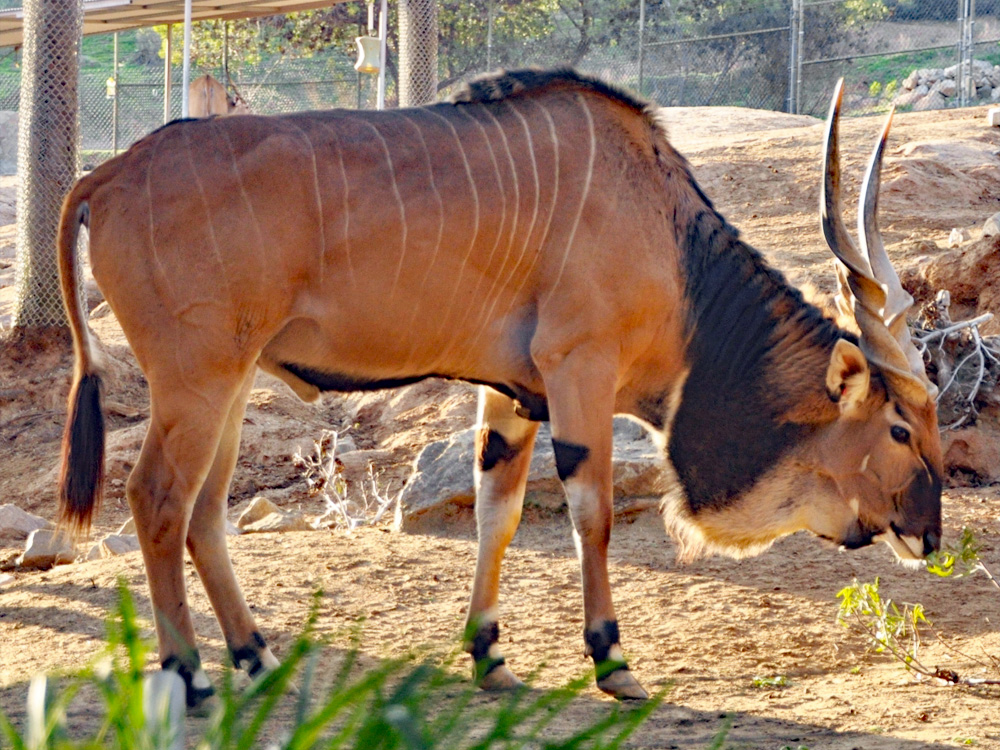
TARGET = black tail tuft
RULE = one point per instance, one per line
(82, 479)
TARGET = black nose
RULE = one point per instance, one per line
(932, 542)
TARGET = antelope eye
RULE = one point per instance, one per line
(900, 434)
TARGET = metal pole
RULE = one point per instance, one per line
(793, 52)
(225, 52)
(167, 81)
(361, 32)
(489, 38)
(960, 77)
(642, 42)
(186, 77)
(383, 14)
(114, 103)
(800, 55)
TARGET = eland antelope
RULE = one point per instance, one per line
(207, 97)
(537, 235)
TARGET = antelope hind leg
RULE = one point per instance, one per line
(177, 455)
(206, 543)
(503, 456)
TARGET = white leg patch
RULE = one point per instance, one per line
(200, 680)
(268, 660)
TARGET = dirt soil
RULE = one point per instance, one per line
(706, 629)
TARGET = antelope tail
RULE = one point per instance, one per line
(81, 478)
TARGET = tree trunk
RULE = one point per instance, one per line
(418, 47)
(46, 153)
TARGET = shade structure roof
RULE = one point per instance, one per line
(103, 16)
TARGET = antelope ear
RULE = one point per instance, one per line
(848, 376)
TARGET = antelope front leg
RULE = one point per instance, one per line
(503, 457)
(580, 389)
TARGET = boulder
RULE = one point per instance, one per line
(946, 87)
(44, 549)
(991, 227)
(5, 579)
(958, 236)
(972, 454)
(971, 275)
(279, 521)
(129, 528)
(260, 507)
(20, 523)
(118, 544)
(443, 474)
(911, 81)
(907, 98)
(982, 68)
(933, 100)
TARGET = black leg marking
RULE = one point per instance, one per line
(194, 696)
(599, 643)
(493, 448)
(479, 646)
(569, 456)
(248, 657)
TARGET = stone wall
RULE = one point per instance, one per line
(937, 88)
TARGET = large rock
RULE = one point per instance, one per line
(44, 549)
(972, 454)
(279, 522)
(260, 507)
(946, 87)
(443, 474)
(971, 274)
(991, 227)
(933, 100)
(19, 523)
(263, 515)
(119, 544)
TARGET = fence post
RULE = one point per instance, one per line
(167, 82)
(966, 52)
(114, 101)
(793, 52)
(642, 42)
(489, 36)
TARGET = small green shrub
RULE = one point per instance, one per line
(408, 704)
(896, 630)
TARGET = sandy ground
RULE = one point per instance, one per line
(706, 629)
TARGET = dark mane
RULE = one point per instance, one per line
(507, 84)
(754, 340)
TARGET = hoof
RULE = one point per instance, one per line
(623, 686)
(500, 678)
(204, 707)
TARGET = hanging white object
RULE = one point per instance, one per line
(370, 46)
(369, 59)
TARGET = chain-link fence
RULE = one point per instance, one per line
(768, 54)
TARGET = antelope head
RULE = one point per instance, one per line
(883, 453)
